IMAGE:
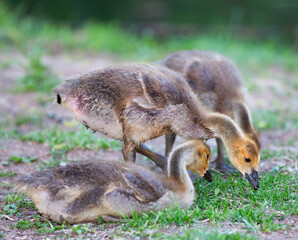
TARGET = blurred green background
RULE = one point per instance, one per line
(274, 19)
(260, 36)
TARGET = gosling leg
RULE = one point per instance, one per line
(160, 160)
(220, 160)
(170, 139)
(129, 151)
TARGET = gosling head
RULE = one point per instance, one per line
(198, 161)
(245, 157)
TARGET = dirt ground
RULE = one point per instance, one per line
(68, 66)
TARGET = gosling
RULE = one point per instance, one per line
(135, 103)
(220, 87)
(84, 191)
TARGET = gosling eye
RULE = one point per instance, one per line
(247, 159)
(207, 155)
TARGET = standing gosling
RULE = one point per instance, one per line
(135, 103)
(220, 87)
(83, 191)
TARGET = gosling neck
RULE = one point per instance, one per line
(225, 128)
(242, 116)
(178, 160)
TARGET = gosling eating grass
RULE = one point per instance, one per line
(217, 82)
(135, 103)
(83, 191)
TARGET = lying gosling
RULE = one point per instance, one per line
(83, 191)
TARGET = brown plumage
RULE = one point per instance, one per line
(83, 191)
(219, 86)
(135, 103)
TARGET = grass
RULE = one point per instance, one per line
(63, 141)
(29, 117)
(278, 118)
(55, 161)
(200, 234)
(231, 199)
(6, 174)
(19, 159)
(60, 142)
(14, 204)
(81, 229)
(274, 154)
(226, 199)
(42, 227)
(38, 76)
(45, 226)
(172, 215)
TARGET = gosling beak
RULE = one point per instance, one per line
(253, 179)
(208, 176)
